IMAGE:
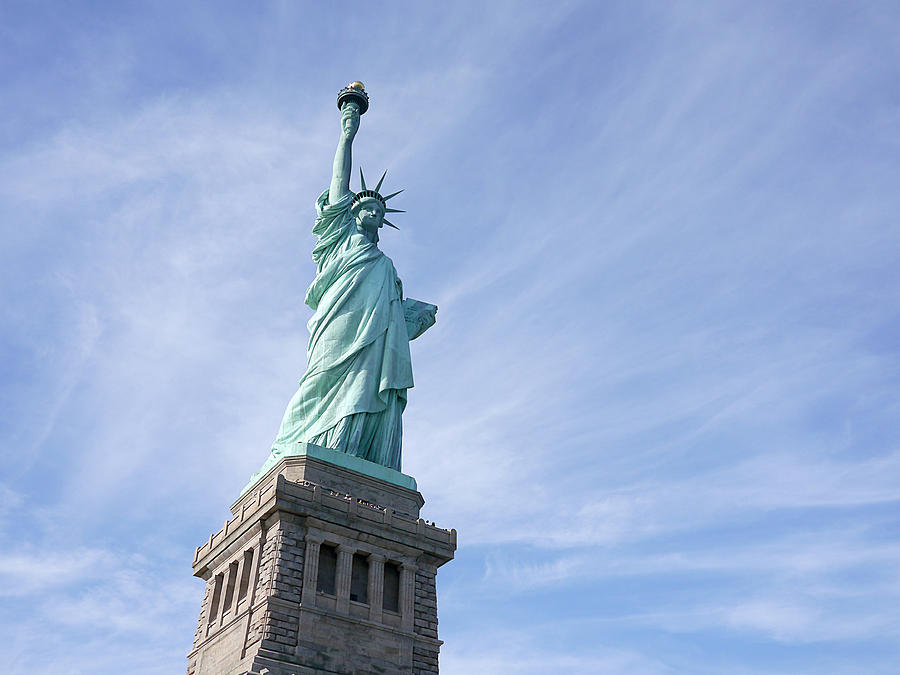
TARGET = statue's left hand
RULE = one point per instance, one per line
(420, 316)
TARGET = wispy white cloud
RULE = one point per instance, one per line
(27, 573)
(808, 558)
(87, 593)
(508, 650)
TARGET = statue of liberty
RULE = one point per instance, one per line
(353, 393)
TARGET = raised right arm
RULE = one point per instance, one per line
(340, 175)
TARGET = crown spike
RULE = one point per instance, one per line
(378, 187)
(387, 222)
(362, 179)
(393, 194)
(386, 210)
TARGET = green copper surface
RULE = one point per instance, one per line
(337, 458)
(353, 393)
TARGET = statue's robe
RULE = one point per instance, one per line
(354, 390)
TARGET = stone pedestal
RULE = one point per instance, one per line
(322, 569)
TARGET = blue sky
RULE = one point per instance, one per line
(660, 402)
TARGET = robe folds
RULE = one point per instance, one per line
(353, 393)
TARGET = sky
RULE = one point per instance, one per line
(660, 404)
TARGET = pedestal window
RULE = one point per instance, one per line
(229, 586)
(391, 592)
(359, 579)
(327, 569)
(245, 575)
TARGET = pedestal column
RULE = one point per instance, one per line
(407, 595)
(342, 582)
(310, 569)
(376, 586)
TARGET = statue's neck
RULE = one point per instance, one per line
(371, 235)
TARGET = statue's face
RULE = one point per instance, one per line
(370, 214)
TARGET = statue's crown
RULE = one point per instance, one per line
(366, 193)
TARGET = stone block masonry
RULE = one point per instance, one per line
(333, 575)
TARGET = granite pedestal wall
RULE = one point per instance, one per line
(322, 569)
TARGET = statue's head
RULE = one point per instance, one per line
(368, 206)
(369, 213)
